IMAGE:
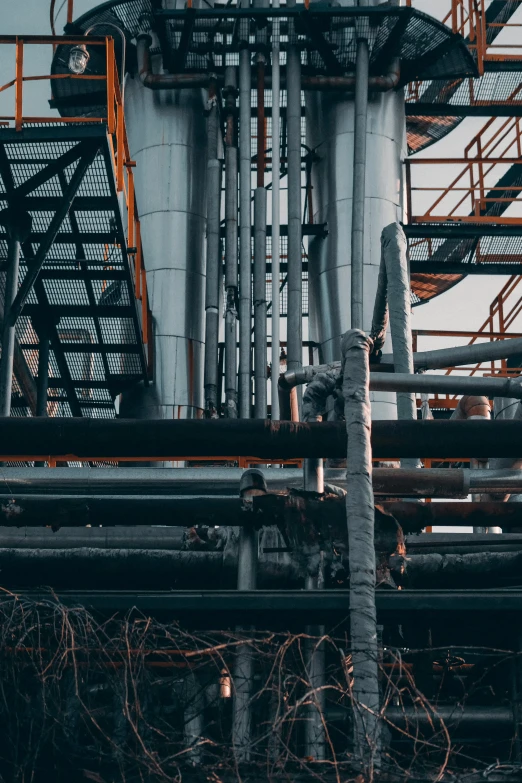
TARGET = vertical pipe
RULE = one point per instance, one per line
(8, 332)
(276, 210)
(213, 278)
(245, 240)
(193, 717)
(314, 726)
(395, 258)
(231, 248)
(43, 375)
(252, 483)
(260, 312)
(359, 182)
(360, 511)
(294, 277)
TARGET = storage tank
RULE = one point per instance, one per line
(167, 139)
(330, 133)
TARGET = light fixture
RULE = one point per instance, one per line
(78, 59)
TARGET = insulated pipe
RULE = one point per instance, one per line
(213, 277)
(394, 256)
(171, 439)
(245, 248)
(260, 310)
(315, 400)
(380, 317)
(294, 268)
(165, 81)
(231, 247)
(276, 214)
(362, 64)
(360, 512)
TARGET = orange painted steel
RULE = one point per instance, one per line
(115, 121)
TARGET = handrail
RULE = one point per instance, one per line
(118, 140)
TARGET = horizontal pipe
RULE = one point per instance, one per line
(87, 439)
(216, 482)
(462, 543)
(422, 360)
(171, 482)
(447, 384)
(297, 606)
(78, 511)
(178, 81)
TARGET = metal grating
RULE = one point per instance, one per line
(85, 289)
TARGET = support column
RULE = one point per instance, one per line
(18, 226)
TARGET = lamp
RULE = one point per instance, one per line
(78, 59)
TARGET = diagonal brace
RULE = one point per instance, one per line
(50, 235)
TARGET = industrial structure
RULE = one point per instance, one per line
(223, 451)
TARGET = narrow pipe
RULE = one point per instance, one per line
(359, 182)
(252, 484)
(43, 376)
(394, 254)
(8, 331)
(445, 384)
(245, 248)
(231, 247)
(213, 276)
(360, 519)
(294, 273)
(276, 214)
(260, 311)
(422, 360)
(315, 746)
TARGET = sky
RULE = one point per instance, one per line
(466, 306)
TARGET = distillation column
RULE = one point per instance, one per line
(167, 138)
(330, 133)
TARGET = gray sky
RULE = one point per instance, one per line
(466, 306)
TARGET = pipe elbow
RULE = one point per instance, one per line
(472, 407)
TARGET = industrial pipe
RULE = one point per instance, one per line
(165, 81)
(362, 64)
(446, 384)
(213, 273)
(294, 267)
(18, 225)
(394, 257)
(276, 213)
(87, 439)
(245, 219)
(231, 248)
(360, 514)
(260, 309)
(222, 482)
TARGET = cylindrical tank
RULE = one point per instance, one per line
(167, 139)
(330, 133)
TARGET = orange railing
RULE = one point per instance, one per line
(475, 189)
(114, 119)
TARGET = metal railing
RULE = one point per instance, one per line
(114, 119)
(469, 197)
